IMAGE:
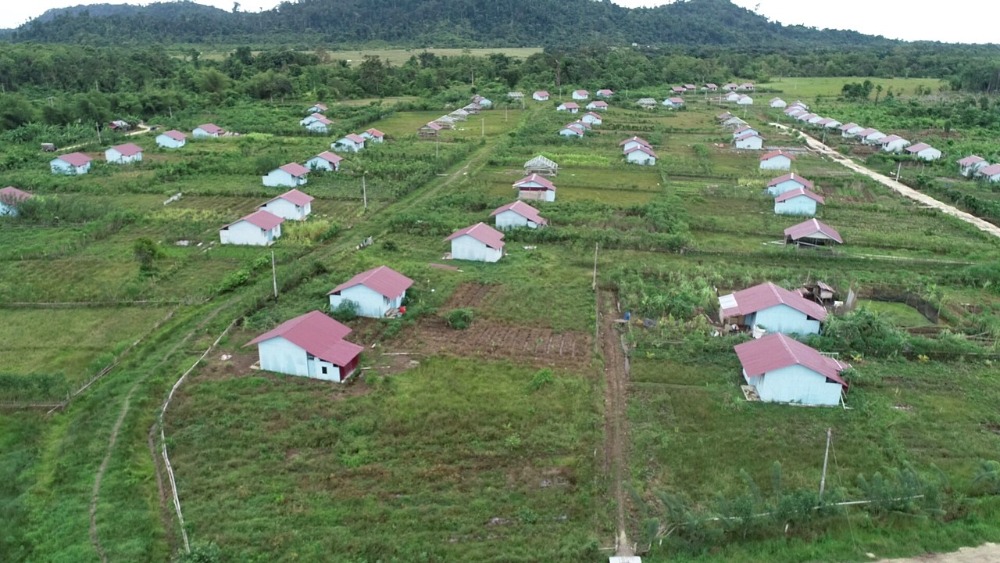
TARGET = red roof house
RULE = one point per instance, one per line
(783, 370)
(518, 214)
(479, 242)
(773, 308)
(311, 345)
(812, 233)
(373, 293)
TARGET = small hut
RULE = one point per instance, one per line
(542, 166)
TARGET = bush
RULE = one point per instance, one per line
(541, 378)
(346, 311)
(459, 319)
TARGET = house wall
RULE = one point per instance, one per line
(779, 104)
(783, 319)
(7, 210)
(800, 205)
(247, 234)
(796, 384)
(370, 303)
(753, 143)
(316, 163)
(511, 220)
(467, 248)
(579, 97)
(344, 145)
(776, 163)
(168, 143)
(929, 154)
(317, 127)
(872, 140)
(281, 356)
(591, 119)
(288, 210)
(569, 133)
(745, 101)
(537, 195)
(639, 157)
(62, 167)
(281, 179)
(895, 146)
(200, 133)
(786, 186)
(111, 155)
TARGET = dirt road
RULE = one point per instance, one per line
(140, 129)
(895, 186)
(986, 553)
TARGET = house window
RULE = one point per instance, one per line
(324, 370)
(310, 357)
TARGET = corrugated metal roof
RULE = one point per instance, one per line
(75, 158)
(639, 140)
(330, 157)
(295, 169)
(263, 219)
(970, 160)
(383, 280)
(210, 128)
(799, 192)
(765, 295)
(791, 177)
(773, 154)
(318, 335)
(777, 351)
(810, 228)
(535, 179)
(294, 196)
(10, 194)
(522, 209)
(481, 232)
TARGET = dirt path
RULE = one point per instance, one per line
(895, 186)
(139, 130)
(616, 373)
(986, 553)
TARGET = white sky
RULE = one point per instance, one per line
(957, 21)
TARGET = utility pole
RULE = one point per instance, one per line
(364, 190)
(274, 275)
(97, 126)
(437, 147)
(593, 284)
(899, 169)
(826, 458)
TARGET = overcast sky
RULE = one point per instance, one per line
(956, 21)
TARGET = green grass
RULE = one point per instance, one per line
(397, 57)
(810, 88)
(900, 314)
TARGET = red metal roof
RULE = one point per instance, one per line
(970, 160)
(766, 295)
(849, 126)
(991, 170)
(594, 115)
(678, 89)
(295, 169)
(570, 105)
(598, 104)
(318, 335)
(433, 126)
(642, 148)
(811, 227)
(868, 132)
(481, 232)
(75, 158)
(10, 194)
(748, 135)
(522, 209)
(210, 128)
(793, 177)
(576, 128)
(175, 135)
(581, 92)
(772, 154)
(263, 219)
(355, 138)
(330, 157)
(317, 118)
(319, 105)
(128, 149)
(639, 140)
(676, 100)
(918, 147)
(799, 192)
(375, 133)
(383, 280)
(293, 196)
(541, 94)
(744, 128)
(535, 179)
(776, 351)
(890, 139)
(605, 92)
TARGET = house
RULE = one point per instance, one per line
(776, 160)
(744, 101)
(124, 154)
(829, 123)
(799, 201)
(605, 93)
(482, 102)
(710, 87)
(812, 233)
(119, 125)
(678, 89)
(971, 164)
(733, 122)
(778, 103)
(597, 105)
(568, 106)
(172, 139)
(821, 122)
(207, 130)
(580, 94)
(784, 370)
(746, 87)
(72, 163)
(260, 228)
(674, 103)
(641, 155)
(540, 96)
(292, 205)
(429, 130)
(457, 115)
(749, 141)
(787, 183)
(795, 112)
(586, 125)
(446, 121)
(319, 125)
(535, 187)
(633, 142)
(743, 130)
(515, 95)
(541, 165)
(305, 121)
(893, 143)
(480, 243)
(10, 198)
(724, 116)
(870, 136)
(733, 97)
(376, 136)
(730, 87)
(473, 108)
(849, 130)
(807, 117)
(923, 151)
(375, 293)
(591, 118)
(772, 308)
(290, 175)
(325, 160)
(518, 215)
(311, 345)
(317, 108)
(349, 143)
(646, 103)
(991, 173)
(572, 130)
(800, 104)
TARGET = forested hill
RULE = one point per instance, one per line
(442, 23)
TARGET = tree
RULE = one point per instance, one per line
(146, 252)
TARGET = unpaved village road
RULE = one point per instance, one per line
(986, 553)
(895, 186)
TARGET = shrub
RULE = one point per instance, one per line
(346, 311)
(541, 378)
(459, 319)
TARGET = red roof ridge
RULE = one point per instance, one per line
(382, 279)
(260, 218)
(294, 196)
(799, 192)
(481, 232)
(522, 209)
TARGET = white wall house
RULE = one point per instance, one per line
(597, 105)
(812, 233)
(325, 160)
(850, 130)
(923, 151)
(673, 103)
(260, 228)
(632, 142)
(376, 136)
(292, 205)
(311, 345)
(535, 187)
(776, 160)
(799, 201)
(10, 198)
(479, 243)
(349, 143)
(320, 125)
(580, 94)
(207, 130)
(540, 96)
(778, 103)
(744, 101)
(786, 183)
(605, 93)
(517, 215)
(641, 155)
(990, 173)
(783, 370)
(893, 143)
(733, 96)
(749, 141)
(592, 118)
(572, 130)
(317, 108)
(124, 154)
(571, 107)
(871, 136)
(172, 139)
(374, 292)
(70, 164)
(291, 175)
(971, 164)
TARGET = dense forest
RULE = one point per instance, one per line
(433, 22)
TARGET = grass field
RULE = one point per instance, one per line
(400, 56)
(811, 88)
